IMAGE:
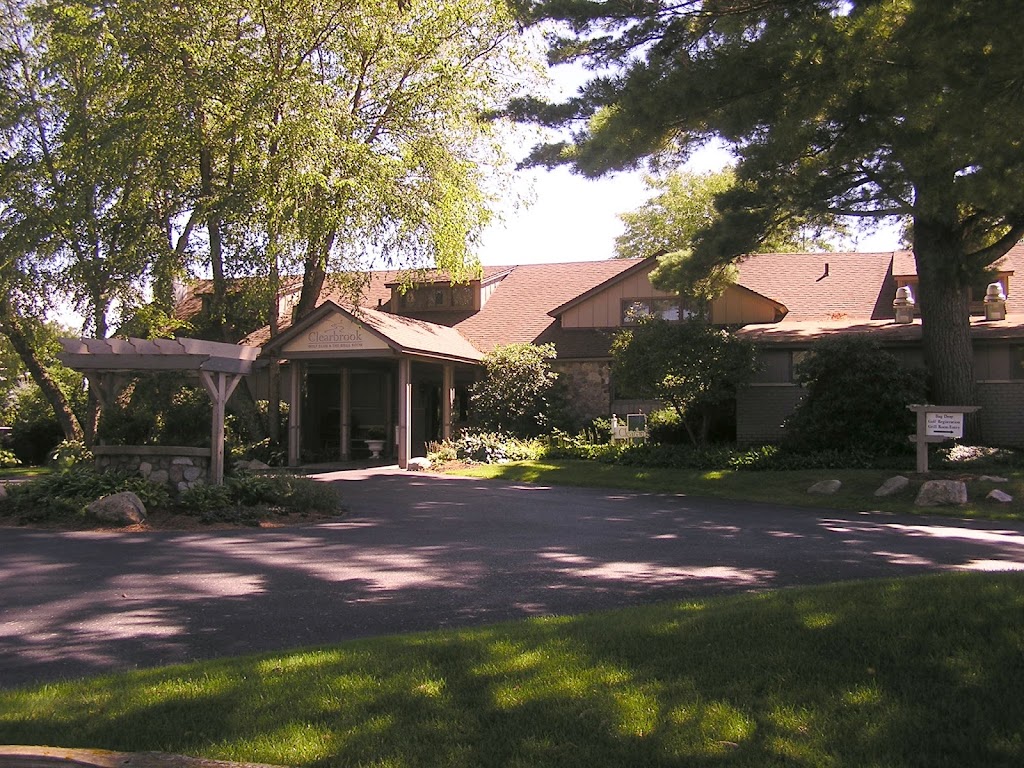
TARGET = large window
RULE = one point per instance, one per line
(672, 310)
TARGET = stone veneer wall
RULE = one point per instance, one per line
(589, 385)
(178, 467)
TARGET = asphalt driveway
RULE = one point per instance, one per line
(420, 552)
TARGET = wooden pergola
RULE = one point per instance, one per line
(107, 364)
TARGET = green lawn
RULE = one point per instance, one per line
(917, 672)
(11, 473)
(857, 493)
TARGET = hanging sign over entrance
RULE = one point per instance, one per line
(335, 334)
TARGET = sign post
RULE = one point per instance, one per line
(936, 423)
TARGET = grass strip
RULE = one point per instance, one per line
(776, 487)
(917, 672)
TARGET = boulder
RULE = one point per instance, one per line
(251, 466)
(418, 464)
(892, 485)
(992, 479)
(1001, 496)
(123, 508)
(826, 487)
(938, 493)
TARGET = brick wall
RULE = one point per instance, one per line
(761, 410)
(1002, 412)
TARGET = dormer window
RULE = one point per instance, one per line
(436, 297)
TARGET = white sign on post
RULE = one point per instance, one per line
(944, 424)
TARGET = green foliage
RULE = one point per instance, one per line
(691, 365)
(857, 398)
(68, 453)
(63, 494)
(289, 493)
(158, 409)
(8, 459)
(35, 430)
(516, 392)
(664, 426)
(486, 448)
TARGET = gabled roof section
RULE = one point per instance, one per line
(635, 265)
(332, 328)
(519, 310)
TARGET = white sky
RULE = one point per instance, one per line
(572, 218)
(577, 219)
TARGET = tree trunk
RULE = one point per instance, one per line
(944, 299)
(10, 325)
(314, 275)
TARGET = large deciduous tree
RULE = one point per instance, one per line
(905, 108)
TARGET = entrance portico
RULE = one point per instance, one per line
(363, 375)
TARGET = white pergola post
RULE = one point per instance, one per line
(404, 412)
(447, 400)
(219, 386)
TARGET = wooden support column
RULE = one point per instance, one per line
(295, 414)
(447, 401)
(404, 412)
(219, 386)
(346, 414)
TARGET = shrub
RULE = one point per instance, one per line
(487, 448)
(664, 426)
(857, 397)
(515, 395)
(68, 453)
(8, 459)
(294, 494)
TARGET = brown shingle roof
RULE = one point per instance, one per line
(517, 311)
(823, 286)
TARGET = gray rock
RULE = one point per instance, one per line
(826, 487)
(254, 464)
(1001, 496)
(158, 476)
(418, 464)
(123, 508)
(992, 479)
(185, 460)
(892, 485)
(192, 474)
(938, 493)
(145, 468)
